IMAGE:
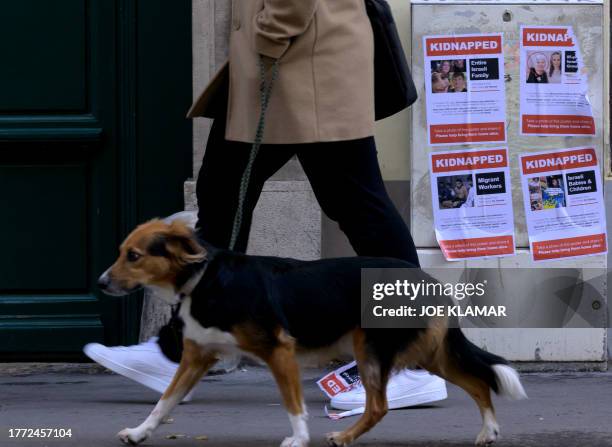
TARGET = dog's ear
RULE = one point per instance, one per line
(178, 242)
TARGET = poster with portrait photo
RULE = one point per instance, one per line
(465, 92)
(456, 191)
(564, 204)
(449, 76)
(544, 67)
(472, 203)
(554, 85)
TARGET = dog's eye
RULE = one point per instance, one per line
(132, 256)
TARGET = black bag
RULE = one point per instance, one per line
(394, 88)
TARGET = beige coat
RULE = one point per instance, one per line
(325, 85)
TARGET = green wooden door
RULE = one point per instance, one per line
(92, 140)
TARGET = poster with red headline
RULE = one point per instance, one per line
(464, 86)
(554, 83)
(564, 207)
(472, 203)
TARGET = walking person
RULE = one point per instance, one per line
(321, 109)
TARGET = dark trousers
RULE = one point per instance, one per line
(346, 180)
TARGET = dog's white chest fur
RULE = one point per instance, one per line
(166, 294)
(206, 337)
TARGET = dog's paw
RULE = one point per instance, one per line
(487, 436)
(132, 436)
(294, 441)
(337, 439)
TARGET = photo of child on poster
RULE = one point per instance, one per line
(547, 192)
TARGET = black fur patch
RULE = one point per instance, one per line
(158, 247)
(316, 302)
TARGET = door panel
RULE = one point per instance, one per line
(45, 216)
(44, 59)
(89, 147)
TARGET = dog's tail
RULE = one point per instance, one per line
(491, 368)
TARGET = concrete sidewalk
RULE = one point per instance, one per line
(243, 409)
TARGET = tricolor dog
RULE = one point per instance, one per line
(276, 309)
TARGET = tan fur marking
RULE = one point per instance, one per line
(430, 352)
(279, 354)
(286, 372)
(194, 363)
(427, 350)
(375, 385)
(253, 339)
(445, 366)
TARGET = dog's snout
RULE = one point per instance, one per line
(104, 280)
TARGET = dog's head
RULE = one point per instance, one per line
(157, 255)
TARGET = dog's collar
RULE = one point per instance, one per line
(191, 283)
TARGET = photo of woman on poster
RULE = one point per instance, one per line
(554, 73)
(537, 69)
(444, 68)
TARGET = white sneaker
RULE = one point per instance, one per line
(404, 389)
(144, 363)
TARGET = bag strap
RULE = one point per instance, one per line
(265, 90)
